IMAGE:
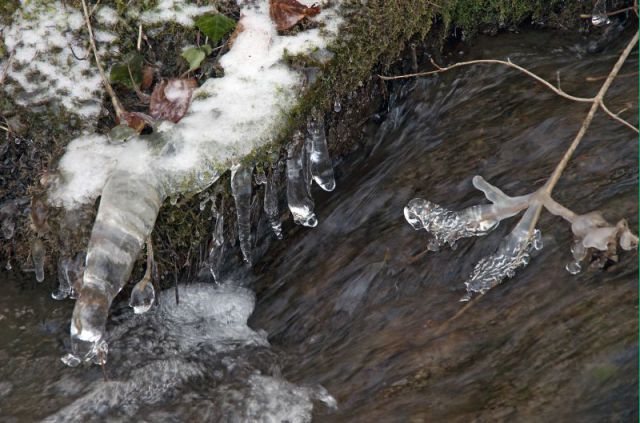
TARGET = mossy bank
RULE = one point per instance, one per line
(376, 37)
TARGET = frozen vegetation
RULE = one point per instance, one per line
(596, 239)
(228, 118)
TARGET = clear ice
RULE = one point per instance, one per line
(593, 234)
(241, 189)
(127, 213)
(143, 294)
(319, 160)
(298, 195)
(599, 14)
(513, 253)
(69, 276)
(37, 256)
(271, 201)
(448, 226)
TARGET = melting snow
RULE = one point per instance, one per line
(174, 10)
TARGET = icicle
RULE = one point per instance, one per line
(298, 196)
(599, 14)
(37, 256)
(271, 202)
(127, 213)
(337, 107)
(512, 254)
(143, 294)
(241, 189)
(261, 177)
(69, 276)
(320, 162)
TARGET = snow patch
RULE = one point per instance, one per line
(227, 119)
(50, 60)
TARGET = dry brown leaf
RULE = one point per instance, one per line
(137, 121)
(170, 99)
(287, 13)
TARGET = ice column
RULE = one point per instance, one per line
(298, 196)
(271, 202)
(320, 162)
(241, 189)
(127, 213)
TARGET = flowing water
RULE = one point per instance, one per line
(352, 312)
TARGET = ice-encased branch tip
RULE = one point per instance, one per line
(596, 238)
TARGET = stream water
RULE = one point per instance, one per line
(351, 321)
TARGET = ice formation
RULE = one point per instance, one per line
(271, 202)
(228, 118)
(37, 256)
(298, 195)
(143, 294)
(448, 226)
(241, 190)
(513, 253)
(593, 233)
(48, 58)
(319, 160)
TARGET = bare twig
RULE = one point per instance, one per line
(510, 64)
(603, 77)
(120, 112)
(145, 98)
(139, 43)
(616, 117)
(597, 103)
(558, 90)
(615, 12)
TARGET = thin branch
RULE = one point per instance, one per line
(615, 12)
(597, 103)
(603, 77)
(114, 98)
(618, 118)
(510, 64)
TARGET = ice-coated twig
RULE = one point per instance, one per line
(37, 256)
(448, 226)
(512, 254)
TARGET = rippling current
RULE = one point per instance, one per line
(352, 321)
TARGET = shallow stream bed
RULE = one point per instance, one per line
(354, 307)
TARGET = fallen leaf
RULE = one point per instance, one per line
(137, 121)
(287, 13)
(195, 55)
(170, 99)
(215, 26)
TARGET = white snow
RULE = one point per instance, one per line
(174, 10)
(107, 16)
(43, 39)
(227, 119)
